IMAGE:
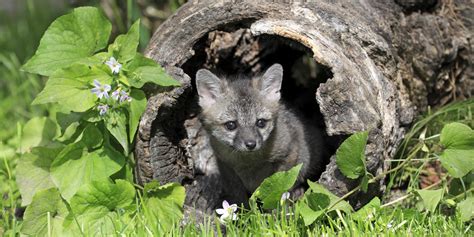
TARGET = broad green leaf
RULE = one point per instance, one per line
(98, 203)
(173, 192)
(350, 156)
(430, 198)
(457, 136)
(141, 71)
(91, 136)
(69, 39)
(369, 211)
(69, 133)
(312, 206)
(103, 195)
(139, 61)
(125, 46)
(38, 131)
(137, 107)
(33, 172)
(458, 156)
(71, 88)
(75, 166)
(465, 208)
(271, 189)
(342, 205)
(153, 74)
(47, 210)
(116, 123)
(457, 162)
(164, 204)
(66, 119)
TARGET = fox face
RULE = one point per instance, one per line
(240, 113)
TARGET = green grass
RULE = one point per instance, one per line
(388, 222)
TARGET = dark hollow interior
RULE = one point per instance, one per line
(238, 52)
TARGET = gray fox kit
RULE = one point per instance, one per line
(252, 132)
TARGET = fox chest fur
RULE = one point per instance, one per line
(251, 131)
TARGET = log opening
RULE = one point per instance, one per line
(239, 52)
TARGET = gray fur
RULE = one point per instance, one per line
(285, 141)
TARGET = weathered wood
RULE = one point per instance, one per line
(385, 67)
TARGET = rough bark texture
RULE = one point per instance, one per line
(388, 60)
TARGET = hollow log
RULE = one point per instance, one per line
(349, 66)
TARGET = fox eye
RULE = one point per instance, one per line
(230, 125)
(261, 123)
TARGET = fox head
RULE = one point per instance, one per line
(240, 112)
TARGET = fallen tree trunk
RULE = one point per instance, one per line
(352, 66)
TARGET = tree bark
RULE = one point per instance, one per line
(386, 61)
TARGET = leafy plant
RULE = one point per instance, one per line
(70, 176)
(454, 149)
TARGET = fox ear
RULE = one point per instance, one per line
(208, 87)
(270, 84)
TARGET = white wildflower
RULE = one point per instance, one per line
(227, 212)
(101, 90)
(114, 65)
(285, 196)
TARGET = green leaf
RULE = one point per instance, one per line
(271, 189)
(125, 46)
(465, 208)
(137, 107)
(164, 204)
(173, 192)
(38, 131)
(457, 136)
(350, 156)
(458, 156)
(71, 88)
(142, 70)
(69, 133)
(33, 172)
(457, 162)
(116, 123)
(369, 211)
(139, 61)
(47, 210)
(75, 166)
(342, 205)
(312, 206)
(95, 204)
(317, 201)
(70, 38)
(430, 198)
(153, 74)
(91, 136)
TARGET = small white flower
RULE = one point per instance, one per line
(227, 212)
(389, 224)
(285, 196)
(102, 109)
(114, 65)
(101, 90)
(124, 97)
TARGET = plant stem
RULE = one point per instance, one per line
(409, 195)
(345, 196)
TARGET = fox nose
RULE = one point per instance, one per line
(250, 144)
